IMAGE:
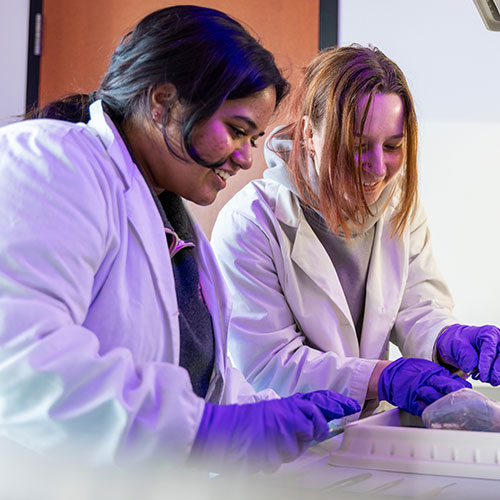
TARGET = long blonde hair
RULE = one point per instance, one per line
(333, 83)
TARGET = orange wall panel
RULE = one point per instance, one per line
(79, 37)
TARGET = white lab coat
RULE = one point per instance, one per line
(291, 328)
(89, 335)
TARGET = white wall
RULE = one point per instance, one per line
(14, 20)
(452, 63)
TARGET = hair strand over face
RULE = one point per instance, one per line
(333, 84)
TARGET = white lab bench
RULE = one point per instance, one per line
(310, 477)
(315, 471)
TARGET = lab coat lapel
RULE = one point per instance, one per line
(213, 288)
(143, 216)
(146, 222)
(218, 303)
(309, 254)
(384, 289)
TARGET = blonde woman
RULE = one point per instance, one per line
(328, 257)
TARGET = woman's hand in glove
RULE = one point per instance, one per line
(472, 349)
(262, 435)
(413, 383)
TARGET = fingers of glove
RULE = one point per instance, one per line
(465, 356)
(417, 407)
(470, 347)
(457, 346)
(437, 387)
(422, 398)
(311, 424)
(332, 404)
(428, 394)
(291, 425)
(445, 383)
(351, 406)
(488, 357)
(486, 332)
(495, 372)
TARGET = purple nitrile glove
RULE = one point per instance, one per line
(473, 349)
(412, 384)
(331, 404)
(262, 435)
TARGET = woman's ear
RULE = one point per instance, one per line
(161, 97)
(307, 133)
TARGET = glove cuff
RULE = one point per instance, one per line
(385, 380)
(442, 356)
(203, 432)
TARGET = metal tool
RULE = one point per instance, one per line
(385, 486)
(434, 492)
(347, 482)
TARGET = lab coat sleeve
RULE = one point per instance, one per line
(265, 339)
(239, 390)
(59, 394)
(427, 305)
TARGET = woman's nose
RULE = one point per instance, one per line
(242, 156)
(374, 163)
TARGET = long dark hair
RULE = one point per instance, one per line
(208, 56)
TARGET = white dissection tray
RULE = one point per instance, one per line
(397, 441)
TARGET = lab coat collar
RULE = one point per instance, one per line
(143, 216)
(106, 131)
(309, 254)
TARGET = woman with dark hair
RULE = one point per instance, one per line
(328, 257)
(113, 313)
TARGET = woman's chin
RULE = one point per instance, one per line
(371, 198)
(202, 199)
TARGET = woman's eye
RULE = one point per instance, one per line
(237, 132)
(394, 147)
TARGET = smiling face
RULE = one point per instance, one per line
(229, 135)
(382, 143)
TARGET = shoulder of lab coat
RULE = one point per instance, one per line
(291, 328)
(89, 334)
